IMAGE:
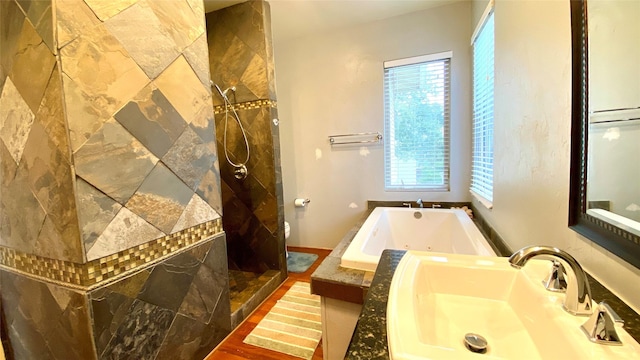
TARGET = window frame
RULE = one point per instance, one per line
(418, 60)
(481, 187)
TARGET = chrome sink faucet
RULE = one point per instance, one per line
(578, 294)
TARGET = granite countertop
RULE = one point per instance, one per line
(333, 281)
(369, 339)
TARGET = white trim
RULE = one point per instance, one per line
(482, 200)
(483, 20)
(418, 59)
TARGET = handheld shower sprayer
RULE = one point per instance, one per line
(240, 171)
(233, 88)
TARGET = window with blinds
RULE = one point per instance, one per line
(483, 72)
(417, 116)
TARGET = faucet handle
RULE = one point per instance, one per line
(556, 280)
(601, 326)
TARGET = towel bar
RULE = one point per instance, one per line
(357, 138)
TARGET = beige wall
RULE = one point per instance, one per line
(532, 138)
(330, 84)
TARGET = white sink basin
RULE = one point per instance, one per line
(436, 298)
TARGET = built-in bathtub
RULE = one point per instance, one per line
(438, 230)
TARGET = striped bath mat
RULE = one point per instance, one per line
(292, 326)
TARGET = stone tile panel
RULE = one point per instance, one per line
(100, 78)
(204, 125)
(106, 9)
(210, 189)
(194, 282)
(21, 213)
(151, 118)
(267, 213)
(114, 148)
(109, 310)
(132, 285)
(32, 66)
(95, 212)
(184, 90)
(12, 21)
(46, 321)
(249, 25)
(16, 119)
(51, 115)
(51, 179)
(207, 309)
(141, 332)
(170, 281)
(190, 158)
(40, 14)
(207, 291)
(254, 77)
(147, 40)
(161, 198)
(125, 231)
(236, 59)
(196, 212)
(8, 168)
(179, 19)
(74, 17)
(198, 8)
(197, 56)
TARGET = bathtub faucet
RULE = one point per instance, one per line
(419, 202)
(578, 296)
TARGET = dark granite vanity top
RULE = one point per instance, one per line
(369, 339)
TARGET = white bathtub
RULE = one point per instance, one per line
(438, 230)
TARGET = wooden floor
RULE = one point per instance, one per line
(232, 348)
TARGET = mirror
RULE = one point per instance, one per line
(605, 144)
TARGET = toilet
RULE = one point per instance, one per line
(287, 232)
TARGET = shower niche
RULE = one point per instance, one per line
(244, 99)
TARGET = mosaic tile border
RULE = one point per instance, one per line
(248, 105)
(108, 267)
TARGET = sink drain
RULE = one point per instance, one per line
(475, 343)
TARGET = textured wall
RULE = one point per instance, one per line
(109, 184)
(532, 138)
(331, 83)
(241, 55)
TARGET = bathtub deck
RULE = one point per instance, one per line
(333, 281)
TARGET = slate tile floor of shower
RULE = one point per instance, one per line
(243, 285)
(232, 348)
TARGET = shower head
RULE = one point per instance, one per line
(233, 88)
(223, 93)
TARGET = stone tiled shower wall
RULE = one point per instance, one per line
(110, 195)
(241, 55)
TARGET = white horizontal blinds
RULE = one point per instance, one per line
(417, 103)
(483, 75)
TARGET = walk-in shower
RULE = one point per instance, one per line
(241, 54)
(240, 169)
